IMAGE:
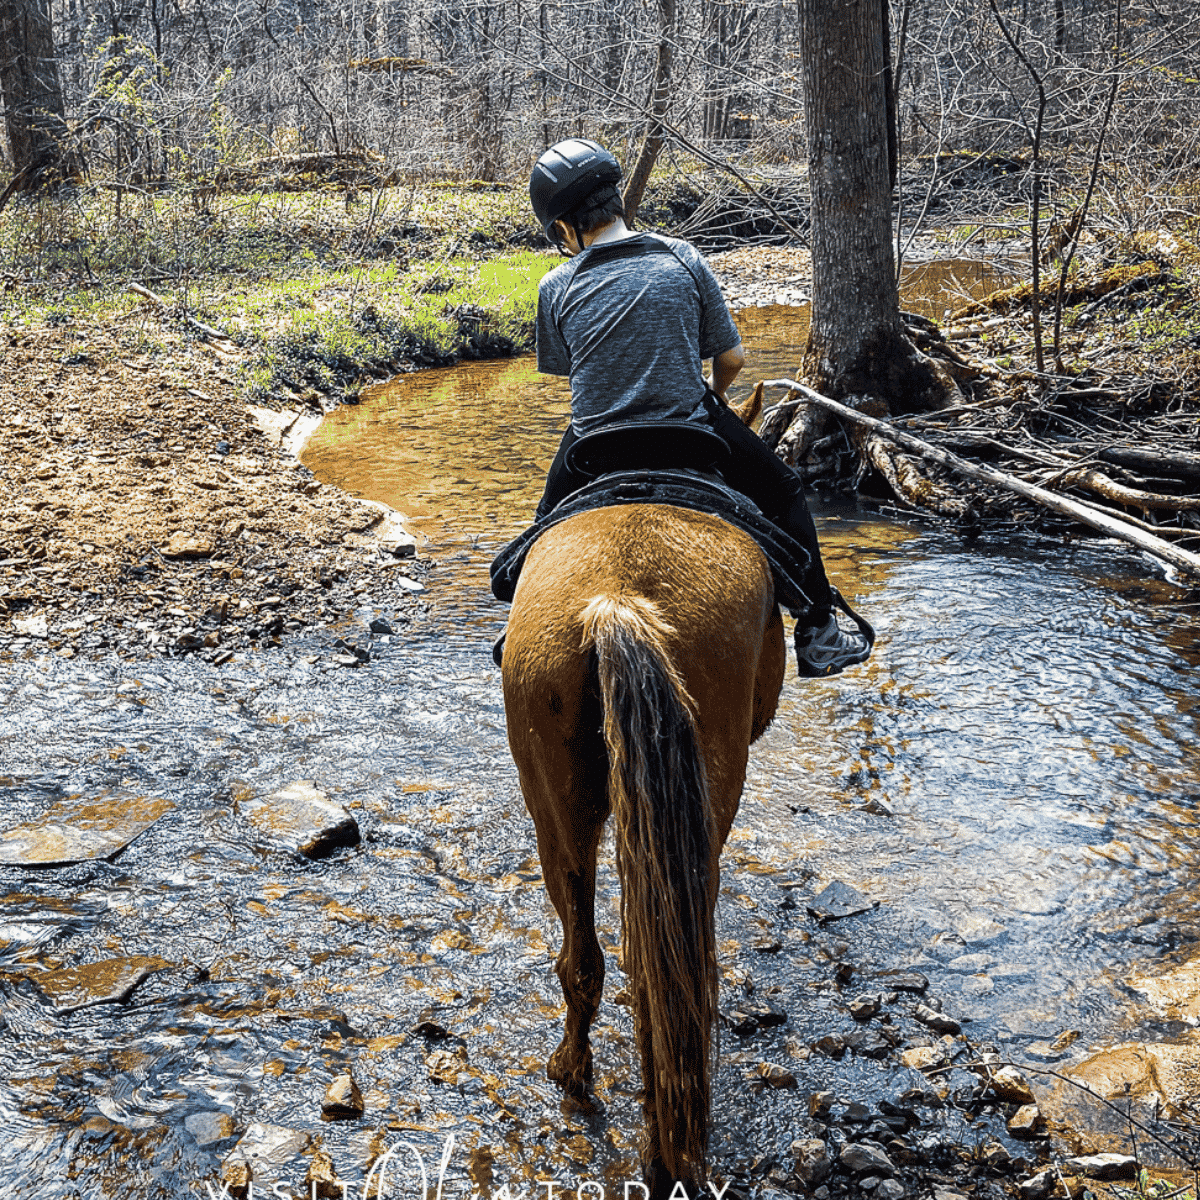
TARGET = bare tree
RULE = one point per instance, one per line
(35, 120)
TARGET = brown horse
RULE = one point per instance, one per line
(644, 654)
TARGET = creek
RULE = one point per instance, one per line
(1011, 781)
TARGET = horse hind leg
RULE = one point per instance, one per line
(580, 970)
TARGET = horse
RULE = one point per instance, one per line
(644, 654)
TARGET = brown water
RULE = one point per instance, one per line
(1012, 778)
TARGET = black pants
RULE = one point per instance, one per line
(752, 469)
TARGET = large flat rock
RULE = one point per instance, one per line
(1087, 1110)
(301, 819)
(74, 830)
(110, 981)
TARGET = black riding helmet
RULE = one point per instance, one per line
(566, 175)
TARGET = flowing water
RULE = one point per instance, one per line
(1011, 781)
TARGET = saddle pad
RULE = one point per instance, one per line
(788, 559)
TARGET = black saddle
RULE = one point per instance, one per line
(648, 446)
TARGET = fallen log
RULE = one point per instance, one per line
(1181, 560)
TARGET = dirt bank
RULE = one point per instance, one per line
(142, 510)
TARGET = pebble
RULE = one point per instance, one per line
(863, 1008)
(1038, 1186)
(1009, 1085)
(937, 1021)
(1104, 1166)
(862, 1158)
(776, 1076)
(839, 900)
(750, 1014)
(209, 1127)
(343, 1101)
(1027, 1122)
(923, 1058)
(812, 1161)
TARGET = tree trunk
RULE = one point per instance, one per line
(660, 95)
(33, 99)
(857, 344)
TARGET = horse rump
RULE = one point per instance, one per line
(667, 862)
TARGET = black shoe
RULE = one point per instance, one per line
(827, 649)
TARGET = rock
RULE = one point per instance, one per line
(978, 929)
(266, 1148)
(903, 981)
(321, 1180)
(812, 1161)
(839, 900)
(750, 1014)
(1145, 1080)
(820, 1103)
(967, 963)
(938, 1022)
(1103, 1166)
(832, 1045)
(77, 830)
(381, 626)
(1026, 1122)
(1038, 1186)
(857, 1113)
(923, 1058)
(209, 1127)
(302, 819)
(775, 1076)
(109, 981)
(890, 1189)
(1007, 1083)
(870, 1043)
(941, 1192)
(343, 1101)
(863, 1008)
(34, 627)
(878, 807)
(188, 545)
(236, 1178)
(863, 1158)
(994, 1155)
(977, 985)
(445, 1066)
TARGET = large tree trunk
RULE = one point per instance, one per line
(857, 345)
(33, 100)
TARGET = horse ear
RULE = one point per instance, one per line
(749, 409)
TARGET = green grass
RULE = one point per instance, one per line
(320, 287)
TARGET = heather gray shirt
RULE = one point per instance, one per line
(632, 331)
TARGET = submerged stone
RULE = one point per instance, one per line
(839, 900)
(110, 981)
(262, 1150)
(302, 819)
(76, 830)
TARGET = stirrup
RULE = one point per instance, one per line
(498, 649)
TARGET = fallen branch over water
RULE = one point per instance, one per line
(1181, 560)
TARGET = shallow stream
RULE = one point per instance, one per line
(1012, 781)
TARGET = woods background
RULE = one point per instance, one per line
(198, 91)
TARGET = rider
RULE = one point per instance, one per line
(630, 319)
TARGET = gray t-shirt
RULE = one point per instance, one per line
(630, 323)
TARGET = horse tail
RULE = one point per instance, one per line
(658, 791)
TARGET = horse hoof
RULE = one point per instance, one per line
(568, 1071)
